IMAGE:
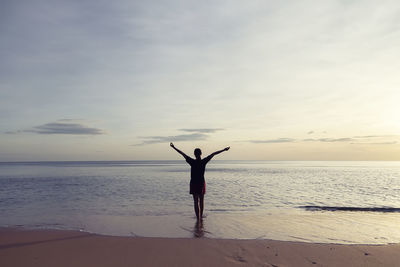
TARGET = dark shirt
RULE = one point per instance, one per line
(198, 167)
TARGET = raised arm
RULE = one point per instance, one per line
(217, 152)
(177, 150)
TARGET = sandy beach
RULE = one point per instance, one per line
(73, 248)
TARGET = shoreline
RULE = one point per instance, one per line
(25, 247)
(298, 226)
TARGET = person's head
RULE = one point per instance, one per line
(197, 153)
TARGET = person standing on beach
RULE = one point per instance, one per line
(197, 182)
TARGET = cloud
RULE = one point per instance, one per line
(202, 130)
(367, 136)
(358, 140)
(351, 140)
(70, 120)
(330, 140)
(13, 132)
(375, 143)
(374, 136)
(61, 128)
(291, 140)
(196, 135)
(375, 140)
(174, 138)
(65, 128)
(271, 141)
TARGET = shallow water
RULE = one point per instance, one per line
(339, 202)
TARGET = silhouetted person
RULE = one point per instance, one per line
(197, 182)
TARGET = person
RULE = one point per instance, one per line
(197, 182)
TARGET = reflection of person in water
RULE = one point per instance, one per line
(197, 182)
(198, 230)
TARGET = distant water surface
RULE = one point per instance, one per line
(314, 201)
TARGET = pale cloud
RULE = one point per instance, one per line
(269, 141)
(330, 140)
(70, 120)
(376, 143)
(373, 136)
(13, 132)
(147, 140)
(202, 130)
(360, 140)
(366, 140)
(198, 134)
(376, 140)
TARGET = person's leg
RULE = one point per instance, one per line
(196, 205)
(201, 205)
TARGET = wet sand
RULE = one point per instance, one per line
(72, 248)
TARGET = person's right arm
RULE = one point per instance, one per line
(177, 150)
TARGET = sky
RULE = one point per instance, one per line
(274, 80)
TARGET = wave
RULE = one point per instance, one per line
(334, 208)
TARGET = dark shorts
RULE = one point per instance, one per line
(198, 189)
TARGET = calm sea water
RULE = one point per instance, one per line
(340, 202)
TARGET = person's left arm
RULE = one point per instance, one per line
(217, 152)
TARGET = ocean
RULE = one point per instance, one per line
(348, 202)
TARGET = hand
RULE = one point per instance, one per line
(172, 145)
(227, 148)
